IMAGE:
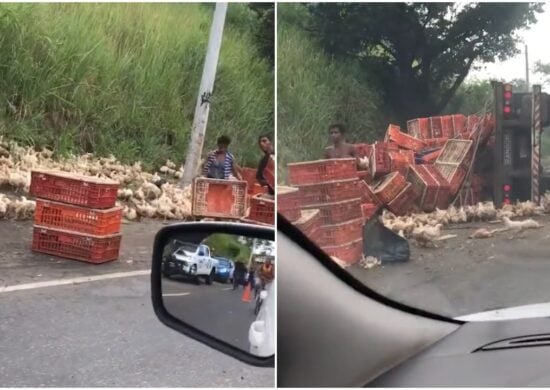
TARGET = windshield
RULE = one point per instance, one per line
(223, 263)
(440, 205)
(186, 247)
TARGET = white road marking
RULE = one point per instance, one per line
(82, 279)
(227, 288)
(176, 294)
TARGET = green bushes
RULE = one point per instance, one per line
(123, 78)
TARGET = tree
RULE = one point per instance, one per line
(544, 70)
(470, 98)
(420, 53)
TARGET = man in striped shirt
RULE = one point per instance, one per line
(220, 163)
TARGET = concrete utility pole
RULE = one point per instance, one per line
(202, 108)
(526, 70)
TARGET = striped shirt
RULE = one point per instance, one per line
(211, 160)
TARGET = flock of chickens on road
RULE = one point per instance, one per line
(425, 228)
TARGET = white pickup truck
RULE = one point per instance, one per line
(192, 260)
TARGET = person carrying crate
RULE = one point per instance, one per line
(220, 163)
(266, 146)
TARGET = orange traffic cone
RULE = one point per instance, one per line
(247, 293)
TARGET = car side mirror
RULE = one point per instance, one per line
(219, 308)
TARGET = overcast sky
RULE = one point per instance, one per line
(538, 40)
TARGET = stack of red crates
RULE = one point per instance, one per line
(76, 217)
(331, 191)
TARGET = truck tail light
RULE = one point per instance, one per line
(507, 189)
(507, 109)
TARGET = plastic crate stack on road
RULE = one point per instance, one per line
(262, 205)
(76, 217)
(330, 192)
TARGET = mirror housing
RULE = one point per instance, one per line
(201, 230)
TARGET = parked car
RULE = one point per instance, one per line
(224, 269)
(191, 260)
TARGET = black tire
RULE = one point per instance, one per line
(210, 277)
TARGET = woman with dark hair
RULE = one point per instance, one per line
(220, 163)
(267, 148)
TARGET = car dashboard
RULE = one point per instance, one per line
(480, 354)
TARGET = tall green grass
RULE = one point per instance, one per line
(314, 90)
(123, 78)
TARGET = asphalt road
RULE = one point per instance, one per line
(215, 309)
(100, 333)
(464, 276)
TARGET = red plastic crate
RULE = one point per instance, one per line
(399, 162)
(333, 213)
(252, 222)
(369, 210)
(289, 202)
(310, 223)
(404, 140)
(214, 198)
(97, 222)
(88, 248)
(459, 124)
(249, 175)
(388, 188)
(430, 158)
(456, 151)
(379, 162)
(363, 150)
(269, 172)
(404, 201)
(409, 154)
(436, 128)
(436, 142)
(320, 171)
(472, 123)
(262, 209)
(350, 253)
(256, 189)
(74, 189)
(419, 128)
(447, 128)
(367, 194)
(454, 175)
(365, 176)
(425, 187)
(342, 233)
(443, 194)
(330, 192)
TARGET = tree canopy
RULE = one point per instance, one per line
(544, 70)
(421, 52)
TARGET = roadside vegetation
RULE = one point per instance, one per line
(123, 79)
